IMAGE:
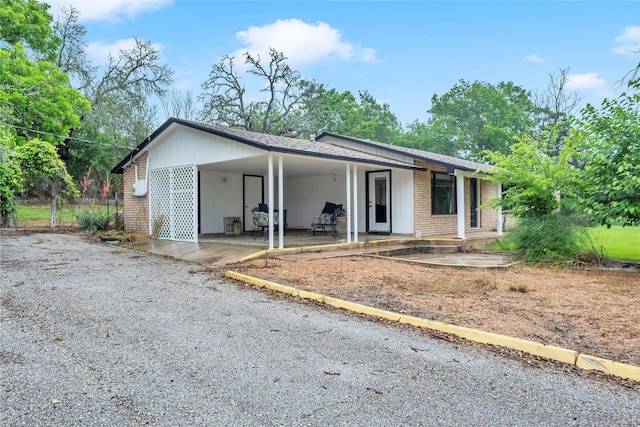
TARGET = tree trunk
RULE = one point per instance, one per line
(54, 203)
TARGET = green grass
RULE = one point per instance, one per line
(617, 242)
(38, 215)
(622, 243)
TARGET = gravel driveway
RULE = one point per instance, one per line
(92, 334)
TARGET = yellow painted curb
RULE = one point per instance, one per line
(363, 309)
(262, 283)
(559, 354)
(618, 369)
(252, 256)
(537, 349)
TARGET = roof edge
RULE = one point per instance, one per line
(119, 168)
(389, 148)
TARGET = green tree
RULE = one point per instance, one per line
(42, 168)
(340, 112)
(533, 179)
(28, 22)
(328, 110)
(119, 93)
(37, 97)
(535, 183)
(10, 177)
(607, 149)
(475, 117)
(377, 122)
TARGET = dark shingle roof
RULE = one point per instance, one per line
(272, 143)
(449, 161)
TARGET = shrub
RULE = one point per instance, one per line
(551, 238)
(93, 221)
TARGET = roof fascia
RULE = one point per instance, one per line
(119, 168)
(450, 166)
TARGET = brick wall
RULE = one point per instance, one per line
(434, 225)
(136, 209)
(488, 216)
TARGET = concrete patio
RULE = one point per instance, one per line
(220, 249)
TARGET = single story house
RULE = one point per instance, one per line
(187, 177)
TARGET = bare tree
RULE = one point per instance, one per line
(115, 90)
(557, 99)
(179, 104)
(558, 103)
(633, 76)
(72, 58)
(224, 96)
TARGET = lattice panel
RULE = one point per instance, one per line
(172, 197)
(183, 192)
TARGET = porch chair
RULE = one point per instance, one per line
(326, 222)
(260, 217)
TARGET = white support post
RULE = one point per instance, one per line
(195, 203)
(355, 203)
(281, 217)
(500, 225)
(270, 166)
(460, 205)
(349, 213)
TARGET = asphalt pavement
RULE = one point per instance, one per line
(95, 334)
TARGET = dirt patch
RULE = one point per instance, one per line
(592, 311)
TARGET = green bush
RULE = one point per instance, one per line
(551, 238)
(94, 221)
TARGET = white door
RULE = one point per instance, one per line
(379, 199)
(253, 194)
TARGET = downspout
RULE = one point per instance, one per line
(146, 185)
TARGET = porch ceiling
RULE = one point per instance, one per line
(293, 166)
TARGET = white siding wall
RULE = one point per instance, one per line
(219, 199)
(402, 201)
(304, 197)
(182, 145)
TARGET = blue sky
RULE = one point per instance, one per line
(401, 52)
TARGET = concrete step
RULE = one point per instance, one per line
(424, 249)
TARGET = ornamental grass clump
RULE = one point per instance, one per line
(93, 221)
(553, 238)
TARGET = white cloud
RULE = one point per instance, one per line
(108, 10)
(98, 52)
(588, 82)
(301, 43)
(628, 41)
(533, 58)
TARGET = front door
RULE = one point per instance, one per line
(253, 193)
(475, 203)
(379, 201)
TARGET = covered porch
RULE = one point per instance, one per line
(375, 198)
